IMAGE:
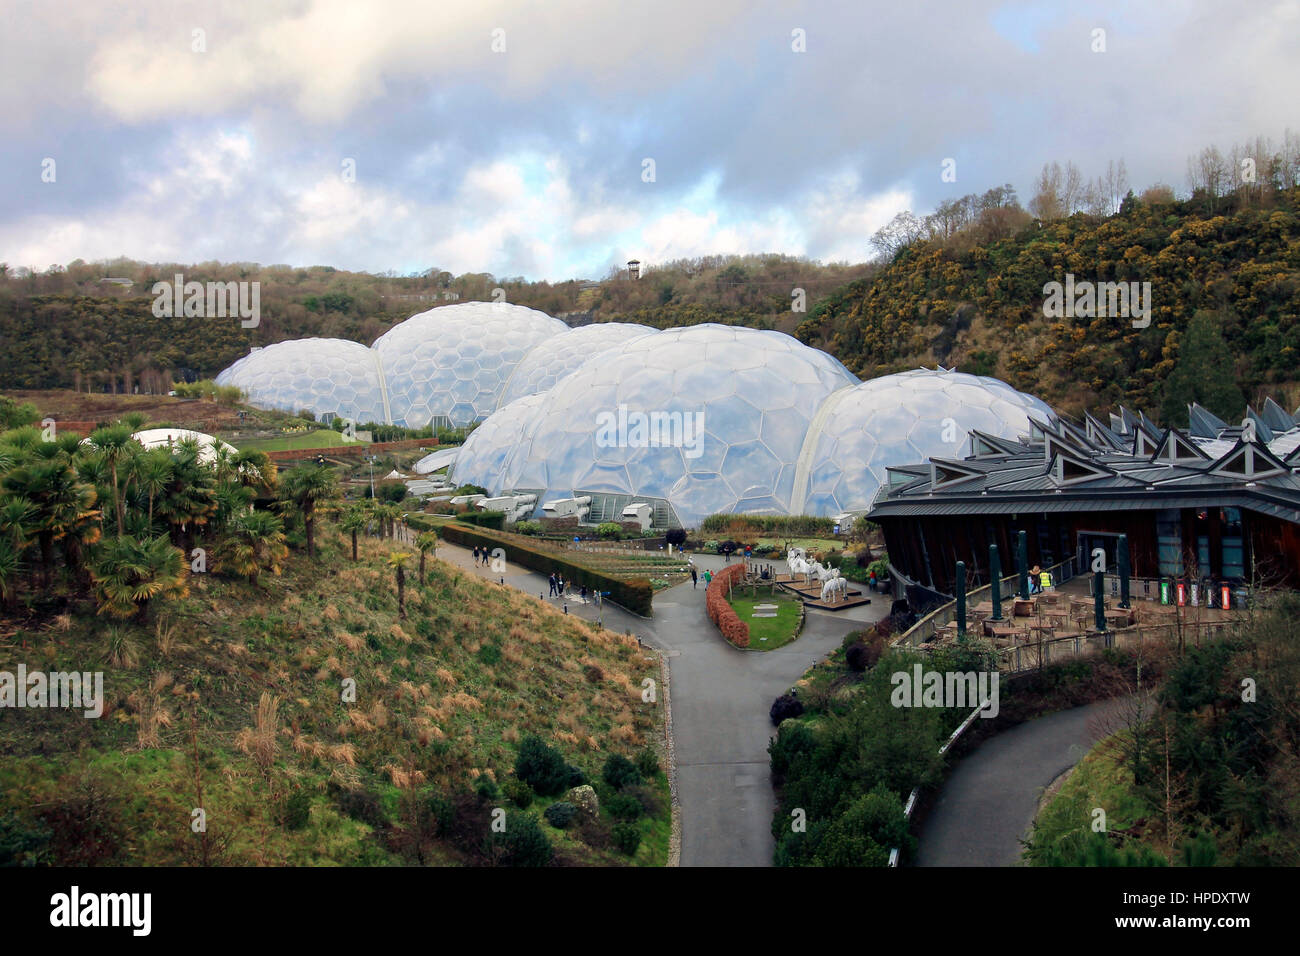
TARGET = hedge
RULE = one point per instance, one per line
(484, 519)
(719, 608)
(795, 526)
(634, 594)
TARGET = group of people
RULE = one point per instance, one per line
(481, 556)
(560, 587)
(695, 574)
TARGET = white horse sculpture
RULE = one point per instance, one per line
(835, 590)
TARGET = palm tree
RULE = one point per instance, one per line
(153, 470)
(129, 573)
(11, 563)
(426, 542)
(63, 505)
(354, 521)
(303, 489)
(388, 512)
(189, 500)
(113, 442)
(257, 471)
(397, 561)
(256, 544)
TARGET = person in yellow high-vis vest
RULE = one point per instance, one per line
(1045, 580)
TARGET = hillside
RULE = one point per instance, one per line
(229, 698)
(67, 328)
(979, 306)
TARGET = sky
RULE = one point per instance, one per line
(555, 140)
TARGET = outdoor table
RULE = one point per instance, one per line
(1023, 607)
(1002, 630)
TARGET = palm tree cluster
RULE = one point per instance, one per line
(106, 517)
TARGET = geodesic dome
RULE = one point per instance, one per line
(900, 419)
(451, 363)
(326, 376)
(481, 460)
(702, 419)
(551, 360)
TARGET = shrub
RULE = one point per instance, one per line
(785, 707)
(675, 536)
(560, 815)
(522, 843)
(296, 811)
(609, 529)
(528, 527)
(517, 792)
(486, 788)
(618, 772)
(624, 806)
(627, 837)
(361, 805)
(489, 654)
(860, 657)
(543, 768)
(647, 762)
(593, 674)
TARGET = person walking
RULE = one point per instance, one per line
(551, 581)
(476, 556)
(708, 577)
(1035, 579)
(584, 594)
(695, 577)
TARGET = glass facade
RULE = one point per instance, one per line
(324, 376)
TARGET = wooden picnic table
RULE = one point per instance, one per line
(1002, 630)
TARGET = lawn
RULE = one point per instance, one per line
(766, 633)
(320, 438)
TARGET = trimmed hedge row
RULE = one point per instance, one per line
(796, 526)
(495, 520)
(719, 608)
(635, 594)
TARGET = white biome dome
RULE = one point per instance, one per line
(901, 419)
(557, 356)
(324, 376)
(449, 365)
(481, 460)
(691, 420)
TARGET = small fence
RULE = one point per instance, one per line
(924, 629)
(1035, 654)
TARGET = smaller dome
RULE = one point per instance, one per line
(325, 376)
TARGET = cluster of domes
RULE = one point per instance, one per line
(692, 421)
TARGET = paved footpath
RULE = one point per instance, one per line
(720, 701)
(989, 801)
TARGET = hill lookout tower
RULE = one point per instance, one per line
(634, 268)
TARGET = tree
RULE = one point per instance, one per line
(397, 561)
(1202, 374)
(129, 574)
(256, 544)
(354, 521)
(896, 235)
(304, 489)
(427, 541)
(114, 443)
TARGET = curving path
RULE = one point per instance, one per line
(991, 796)
(720, 699)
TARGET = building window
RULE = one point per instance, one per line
(1169, 542)
(1234, 555)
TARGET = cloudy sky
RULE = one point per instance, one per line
(514, 138)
